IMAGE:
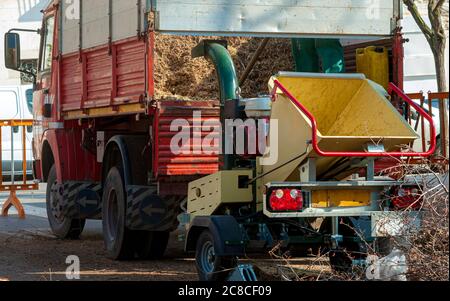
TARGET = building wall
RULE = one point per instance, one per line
(420, 73)
(19, 14)
(419, 65)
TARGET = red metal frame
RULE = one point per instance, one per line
(421, 98)
(315, 143)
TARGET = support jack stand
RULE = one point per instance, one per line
(243, 272)
(13, 201)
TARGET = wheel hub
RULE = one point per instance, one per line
(113, 214)
(208, 257)
(56, 202)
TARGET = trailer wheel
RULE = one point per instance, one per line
(117, 238)
(62, 226)
(340, 261)
(211, 267)
(151, 245)
(384, 245)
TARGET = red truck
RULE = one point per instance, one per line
(101, 138)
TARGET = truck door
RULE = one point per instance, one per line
(44, 94)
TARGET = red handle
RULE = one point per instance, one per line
(392, 88)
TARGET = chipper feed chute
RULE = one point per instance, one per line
(352, 113)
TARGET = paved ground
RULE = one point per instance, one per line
(28, 251)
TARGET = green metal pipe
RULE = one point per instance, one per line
(216, 52)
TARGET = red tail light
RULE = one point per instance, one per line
(406, 198)
(286, 200)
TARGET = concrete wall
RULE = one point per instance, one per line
(22, 14)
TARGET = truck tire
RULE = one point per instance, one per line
(211, 267)
(119, 241)
(151, 245)
(62, 226)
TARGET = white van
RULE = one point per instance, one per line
(15, 104)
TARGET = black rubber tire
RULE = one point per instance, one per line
(384, 246)
(118, 240)
(62, 226)
(221, 266)
(151, 245)
(340, 261)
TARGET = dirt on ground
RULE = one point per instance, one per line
(31, 256)
(39, 256)
(179, 76)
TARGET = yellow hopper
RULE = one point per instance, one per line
(352, 113)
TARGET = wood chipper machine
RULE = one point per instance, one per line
(315, 185)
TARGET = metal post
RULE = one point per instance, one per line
(335, 225)
(335, 237)
(308, 171)
(370, 169)
(12, 155)
(24, 155)
(1, 157)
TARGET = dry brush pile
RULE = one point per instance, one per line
(428, 249)
(419, 252)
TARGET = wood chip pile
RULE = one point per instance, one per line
(178, 76)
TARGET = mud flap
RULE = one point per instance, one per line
(228, 235)
(148, 211)
(82, 200)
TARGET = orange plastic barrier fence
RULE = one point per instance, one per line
(15, 186)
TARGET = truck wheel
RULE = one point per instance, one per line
(117, 238)
(211, 267)
(62, 226)
(151, 245)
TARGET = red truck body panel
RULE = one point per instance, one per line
(104, 76)
(166, 163)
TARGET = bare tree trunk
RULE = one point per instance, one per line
(439, 59)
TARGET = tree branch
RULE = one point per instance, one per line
(439, 4)
(435, 15)
(412, 7)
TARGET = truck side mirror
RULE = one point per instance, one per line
(12, 51)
